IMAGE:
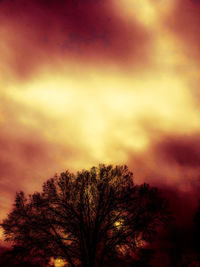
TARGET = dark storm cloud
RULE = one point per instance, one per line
(40, 31)
(183, 151)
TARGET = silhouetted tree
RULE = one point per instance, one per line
(20, 257)
(94, 218)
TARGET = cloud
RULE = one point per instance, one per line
(183, 151)
(171, 163)
(39, 32)
(184, 21)
(27, 157)
(77, 103)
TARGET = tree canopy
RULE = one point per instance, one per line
(92, 218)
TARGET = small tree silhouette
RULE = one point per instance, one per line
(94, 218)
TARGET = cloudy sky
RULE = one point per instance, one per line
(99, 81)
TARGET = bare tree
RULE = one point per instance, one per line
(91, 218)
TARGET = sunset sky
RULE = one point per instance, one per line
(84, 82)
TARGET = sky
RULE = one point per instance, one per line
(100, 81)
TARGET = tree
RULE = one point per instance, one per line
(92, 218)
(197, 231)
(18, 257)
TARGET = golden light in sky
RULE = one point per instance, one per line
(100, 82)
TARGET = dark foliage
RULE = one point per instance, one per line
(20, 257)
(197, 231)
(94, 218)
